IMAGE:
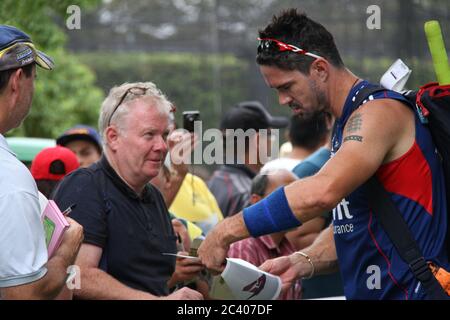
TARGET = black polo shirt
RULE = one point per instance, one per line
(132, 230)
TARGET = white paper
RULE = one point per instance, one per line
(179, 255)
(247, 282)
(396, 76)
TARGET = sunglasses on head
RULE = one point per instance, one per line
(137, 91)
(272, 45)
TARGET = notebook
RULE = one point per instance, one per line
(55, 224)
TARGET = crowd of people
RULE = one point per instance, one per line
(303, 216)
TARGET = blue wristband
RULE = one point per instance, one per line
(270, 215)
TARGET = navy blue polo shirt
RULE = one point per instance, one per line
(133, 230)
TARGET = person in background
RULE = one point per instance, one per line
(306, 136)
(50, 166)
(26, 272)
(231, 183)
(163, 182)
(258, 250)
(84, 141)
(187, 195)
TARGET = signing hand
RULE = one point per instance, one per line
(287, 268)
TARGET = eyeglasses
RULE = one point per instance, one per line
(136, 91)
(132, 90)
(269, 44)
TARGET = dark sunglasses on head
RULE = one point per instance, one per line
(272, 45)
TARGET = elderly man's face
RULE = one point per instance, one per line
(142, 145)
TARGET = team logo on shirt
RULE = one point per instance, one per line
(340, 214)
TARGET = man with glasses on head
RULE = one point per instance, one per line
(298, 58)
(25, 270)
(128, 232)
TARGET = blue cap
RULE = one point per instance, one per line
(17, 50)
(80, 132)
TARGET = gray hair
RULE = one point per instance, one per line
(109, 116)
(259, 184)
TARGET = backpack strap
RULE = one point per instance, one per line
(395, 226)
(398, 232)
(364, 94)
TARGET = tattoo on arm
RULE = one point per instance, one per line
(353, 138)
(354, 123)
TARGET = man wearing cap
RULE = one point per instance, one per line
(231, 183)
(84, 141)
(25, 270)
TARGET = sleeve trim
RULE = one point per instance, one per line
(23, 279)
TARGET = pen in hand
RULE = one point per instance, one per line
(69, 209)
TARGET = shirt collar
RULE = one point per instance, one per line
(4, 145)
(146, 196)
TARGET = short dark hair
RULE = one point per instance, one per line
(46, 187)
(308, 132)
(6, 74)
(294, 27)
(259, 184)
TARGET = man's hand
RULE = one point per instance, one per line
(186, 269)
(182, 232)
(213, 251)
(214, 248)
(71, 242)
(288, 268)
(184, 294)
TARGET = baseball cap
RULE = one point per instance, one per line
(53, 163)
(251, 115)
(80, 132)
(17, 50)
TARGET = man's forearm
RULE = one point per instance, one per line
(322, 253)
(55, 279)
(234, 229)
(98, 285)
(46, 288)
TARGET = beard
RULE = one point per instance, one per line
(321, 107)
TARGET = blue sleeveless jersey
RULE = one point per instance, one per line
(369, 264)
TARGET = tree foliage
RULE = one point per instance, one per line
(187, 79)
(67, 95)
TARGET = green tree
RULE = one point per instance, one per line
(67, 95)
(185, 78)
